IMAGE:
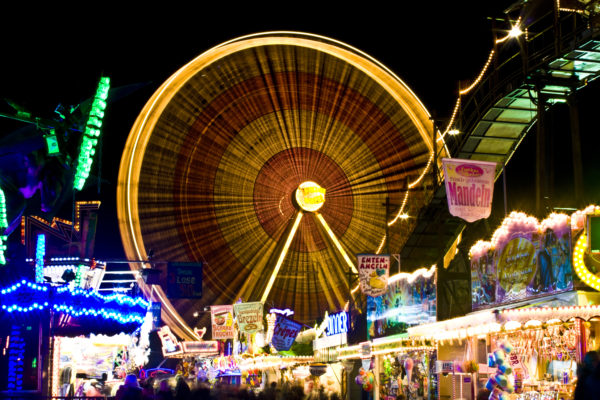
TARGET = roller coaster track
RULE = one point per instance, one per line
(558, 55)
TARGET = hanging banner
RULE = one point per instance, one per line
(221, 318)
(373, 272)
(410, 300)
(184, 280)
(155, 309)
(528, 259)
(469, 187)
(249, 316)
(284, 333)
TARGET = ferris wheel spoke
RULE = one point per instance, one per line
(337, 243)
(284, 251)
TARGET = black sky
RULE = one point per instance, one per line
(58, 57)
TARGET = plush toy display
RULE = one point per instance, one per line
(501, 382)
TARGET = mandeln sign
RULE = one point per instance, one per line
(469, 187)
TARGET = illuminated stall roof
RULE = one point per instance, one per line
(75, 311)
(504, 321)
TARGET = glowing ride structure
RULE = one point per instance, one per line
(230, 162)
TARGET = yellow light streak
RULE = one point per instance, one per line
(481, 74)
(383, 239)
(337, 243)
(580, 268)
(286, 246)
(452, 119)
(420, 178)
(400, 214)
(515, 31)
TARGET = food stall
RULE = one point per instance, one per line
(62, 313)
(533, 321)
(89, 366)
(331, 336)
(392, 363)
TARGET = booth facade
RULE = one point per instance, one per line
(535, 312)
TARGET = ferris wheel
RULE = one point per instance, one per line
(269, 159)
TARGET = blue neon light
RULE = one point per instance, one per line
(16, 359)
(337, 323)
(117, 297)
(75, 302)
(40, 253)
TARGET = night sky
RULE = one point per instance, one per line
(430, 45)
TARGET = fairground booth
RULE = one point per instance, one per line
(56, 328)
(535, 311)
(61, 335)
(392, 364)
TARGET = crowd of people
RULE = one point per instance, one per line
(149, 389)
(588, 377)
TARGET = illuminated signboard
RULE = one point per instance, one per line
(184, 280)
(336, 331)
(581, 269)
(409, 300)
(156, 310)
(337, 323)
(593, 233)
(40, 253)
(526, 258)
(209, 347)
(310, 196)
(170, 344)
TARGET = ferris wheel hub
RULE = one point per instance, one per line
(310, 196)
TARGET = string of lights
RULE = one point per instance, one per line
(91, 134)
(24, 297)
(40, 252)
(117, 297)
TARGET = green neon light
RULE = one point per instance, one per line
(2, 249)
(78, 276)
(52, 143)
(3, 219)
(92, 132)
(3, 226)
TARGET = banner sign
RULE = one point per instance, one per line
(170, 344)
(202, 348)
(155, 310)
(469, 187)
(249, 316)
(335, 329)
(284, 333)
(410, 300)
(337, 323)
(528, 260)
(373, 272)
(184, 280)
(221, 318)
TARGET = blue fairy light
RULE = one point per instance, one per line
(116, 307)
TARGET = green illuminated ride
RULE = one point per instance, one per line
(91, 134)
